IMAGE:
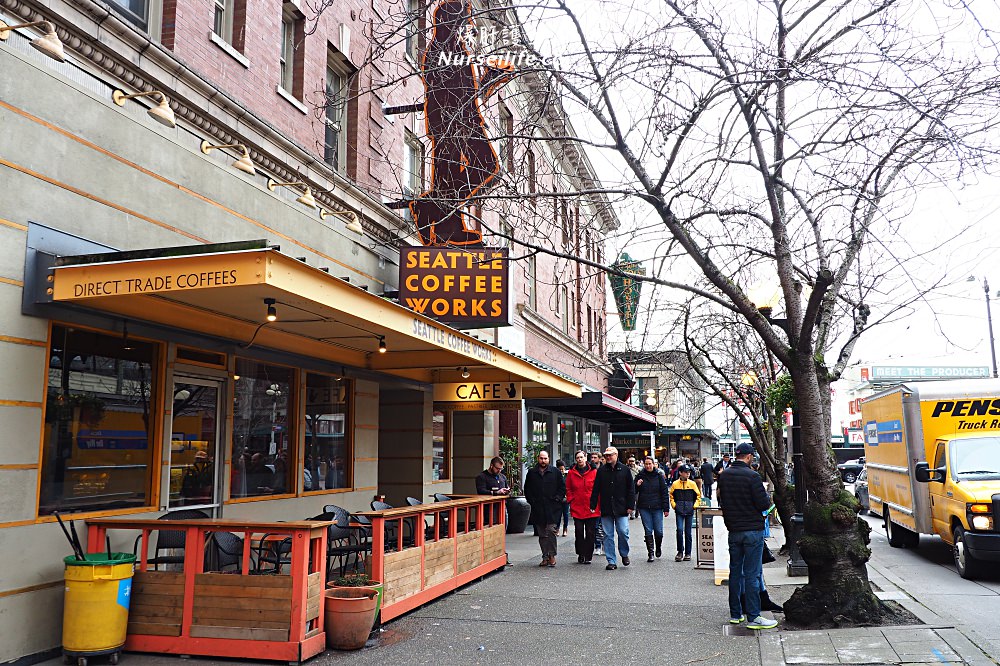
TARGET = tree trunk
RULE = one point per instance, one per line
(835, 542)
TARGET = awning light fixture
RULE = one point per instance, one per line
(465, 373)
(353, 223)
(272, 312)
(306, 199)
(381, 345)
(126, 343)
(244, 163)
(48, 44)
(161, 113)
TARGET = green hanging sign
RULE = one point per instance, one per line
(626, 289)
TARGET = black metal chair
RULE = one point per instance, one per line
(225, 550)
(392, 529)
(273, 552)
(341, 541)
(171, 540)
(440, 497)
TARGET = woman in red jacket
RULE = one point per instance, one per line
(579, 485)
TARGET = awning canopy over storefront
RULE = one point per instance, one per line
(597, 406)
(223, 294)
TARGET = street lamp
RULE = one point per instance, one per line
(989, 321)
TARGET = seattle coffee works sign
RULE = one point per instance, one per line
(466, 286)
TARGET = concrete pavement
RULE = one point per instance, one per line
(664, 612)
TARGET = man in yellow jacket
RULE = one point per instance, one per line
(684, 494)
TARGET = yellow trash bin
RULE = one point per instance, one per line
(95, 613)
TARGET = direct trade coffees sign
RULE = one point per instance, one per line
(469, 286)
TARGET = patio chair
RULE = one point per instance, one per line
(225, 549)
(341, 541)
(171, 540)
(391, 529)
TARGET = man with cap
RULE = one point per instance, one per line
(615, 493)
(744, 502)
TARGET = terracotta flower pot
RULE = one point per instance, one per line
(348, 617)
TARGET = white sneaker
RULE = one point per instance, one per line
(761, 622)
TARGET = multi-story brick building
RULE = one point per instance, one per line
(282, 377)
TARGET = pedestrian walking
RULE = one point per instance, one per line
(743, 501)
(653, 502)
(615, 493)
(545, 490)
(579, 486)
(683, 497)
(561, 466)
(722, 465)
(634, 469)
(707, 478)
(595, 463)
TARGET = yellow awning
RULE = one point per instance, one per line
(222, 294)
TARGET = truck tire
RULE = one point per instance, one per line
(899, 537)
(968, 567)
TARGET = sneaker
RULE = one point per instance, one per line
(761, 622)
(587, 561)
(737, 620)
(626, 561)
(611, 567)
(678, 557)
(687, 558)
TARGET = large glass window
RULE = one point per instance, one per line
(337, 110)
(569, 438)
(441, 469)
(263, 437)
(99, 422)
(540, 432)
(328, 452)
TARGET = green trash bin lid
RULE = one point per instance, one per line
(99, 559)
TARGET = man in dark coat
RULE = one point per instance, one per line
(545, 490)
(707, 478)
(615, 492)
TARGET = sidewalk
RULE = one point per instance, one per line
(661, 612)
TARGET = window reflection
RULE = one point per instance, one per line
(262, 430)
(327, 451)
(442, 446)
(98, 422)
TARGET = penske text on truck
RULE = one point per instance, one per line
(933, 457)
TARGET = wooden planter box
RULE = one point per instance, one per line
(194, 612)
(473, 545)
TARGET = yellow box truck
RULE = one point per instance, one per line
(933, 455)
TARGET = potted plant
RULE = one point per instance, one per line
(348, 615)
(518, 509)
(357, 580)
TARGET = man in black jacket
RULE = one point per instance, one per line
(614, 491)
(545, 490)
(744, 503)
(707, 478)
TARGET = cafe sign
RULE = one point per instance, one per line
(468, 287)
(478, 392)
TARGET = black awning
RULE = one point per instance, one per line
(596, 406)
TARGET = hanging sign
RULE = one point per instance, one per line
(470, 287)
(626, 289)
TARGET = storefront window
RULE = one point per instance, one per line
(569, 438)
(98, 422)
(328, 452)
(539, 424)
(442, 446)
(592, 440)
(263, 441)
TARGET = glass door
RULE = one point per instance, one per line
(194, 443)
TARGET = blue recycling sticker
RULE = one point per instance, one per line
(124, 592)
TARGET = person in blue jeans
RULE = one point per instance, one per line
(614, 491)
(684, 495)
(561, 466)
(743, 500)
(653, 504)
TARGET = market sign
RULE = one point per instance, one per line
(626, 289)
(478, 392)
(470, 287)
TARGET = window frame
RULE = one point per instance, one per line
(154, 437)
(446, 439)
(227, 8)
(337, 111)
(348, 435)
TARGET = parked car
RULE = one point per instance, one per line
(861, 492)
(850, 469)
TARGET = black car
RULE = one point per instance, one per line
(850, 469)
(861, 492)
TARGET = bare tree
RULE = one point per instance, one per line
(770, 141)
